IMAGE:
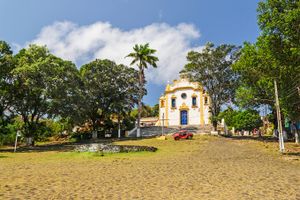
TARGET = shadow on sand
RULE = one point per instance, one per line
(292, 153)
(256, 138)
(63, 147)
(292, 149)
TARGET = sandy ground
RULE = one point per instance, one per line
(203, 168)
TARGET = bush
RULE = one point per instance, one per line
(8, 132)
(241, 119)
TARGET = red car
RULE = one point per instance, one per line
(183, 134)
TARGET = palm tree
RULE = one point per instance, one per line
(142, 56)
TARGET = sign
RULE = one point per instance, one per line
(18, 133)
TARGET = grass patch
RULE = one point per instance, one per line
(166, 148)
(3, 156)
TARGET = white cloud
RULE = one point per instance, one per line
(82, 44)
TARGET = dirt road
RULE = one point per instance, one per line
(213, 168)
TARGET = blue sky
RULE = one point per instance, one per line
(71, 29)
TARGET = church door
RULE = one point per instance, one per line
(183, 117)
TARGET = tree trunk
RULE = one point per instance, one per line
(29, 141)
(296, 136)
(119, 127)
(138, 131)
(215, 125)
(28, 131)
(94, 133)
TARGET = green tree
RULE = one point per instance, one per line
(241, 119)
(44, 86)
(228, 116)
(155, 110)
(147, 111)
(274, 56)
(126, 96)
(6, 116)
(6, 66)
(142, 56)
(109, 89)
(247, 120)
(212, 68)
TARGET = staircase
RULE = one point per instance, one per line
(157, 130)
(152, 131)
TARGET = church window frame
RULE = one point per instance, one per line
(194, 102)
(173, 103)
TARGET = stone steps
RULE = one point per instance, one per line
(157, 130)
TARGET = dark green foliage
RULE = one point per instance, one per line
(241, 119)
(43, 86)
(142, 56)
(147, 111)
(274, 56)
(155, 110)
(212, 68)
(49, 95)
(110, 89)
(6, 116)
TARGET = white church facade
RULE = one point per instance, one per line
(184, 103)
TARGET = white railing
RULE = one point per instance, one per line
(130, 132)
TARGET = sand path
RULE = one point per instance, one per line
(215, 169)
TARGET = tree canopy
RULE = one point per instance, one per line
(108, 89)
(241, 119)
(142, 55)
(49, 94)
(43, 86)
(212, 68)
(274, 56)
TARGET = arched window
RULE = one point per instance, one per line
(194, 101)
(173, 103)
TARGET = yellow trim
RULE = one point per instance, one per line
(201, 109)
(183, 107)
(166, 111)
(194, 95)
(162, 103)
(168, 90)
(173, 97)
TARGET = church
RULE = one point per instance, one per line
(184, 103)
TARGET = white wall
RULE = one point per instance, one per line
(172, 116)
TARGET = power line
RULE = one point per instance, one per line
(294, 92)
(292, 89)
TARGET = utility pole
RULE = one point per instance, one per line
(163, 124)
(16, 141)
(281, 143)
(119, 130)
